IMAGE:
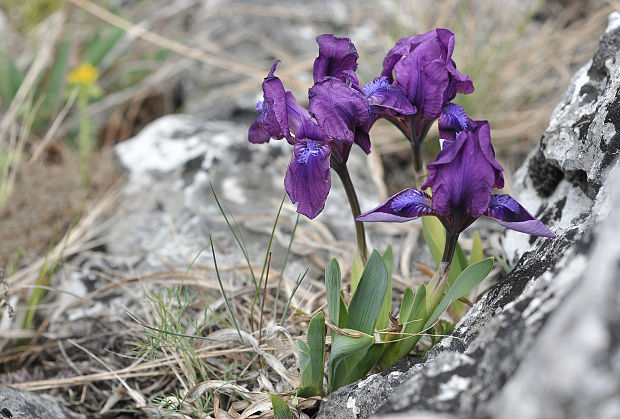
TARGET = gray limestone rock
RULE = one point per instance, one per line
(169, 208)
(543, 342)
(375, 390)
(17, 404)
(167, 215)
(572, 370)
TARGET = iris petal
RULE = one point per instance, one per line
(272, 120)
(404, 206)
(381, 93)
(509, 213)
(452, 120)
(482, 131)
(337, 58)
(462, 177)
(403, 47)
(423, 78)
(339, 109)
(423, 68)
(295, 113)
(307, 179)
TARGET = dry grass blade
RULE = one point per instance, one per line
(257, 406)
(49, 135)
(81, 238)
(230, 334)
(145, 369)
(424, 269)
(137, 397)
(408, 247)
(226, 387)
(42, 60)
(163, 42)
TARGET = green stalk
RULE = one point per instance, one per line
(418, 129)
(85, 146)
(360, 233)
(418, 164)
(452, 240)
(437, 285)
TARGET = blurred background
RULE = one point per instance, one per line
(79, 76)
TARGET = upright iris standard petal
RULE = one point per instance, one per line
(404, 206)
(509, 213)
(482, 131)
(272, 120)
(340, 111)
(307, 179)
(462, 177)
(459, 82)
(402, 48)
(422, 75)
(337, 58)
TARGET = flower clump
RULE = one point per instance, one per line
(416, 87)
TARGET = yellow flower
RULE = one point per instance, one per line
(86, 74)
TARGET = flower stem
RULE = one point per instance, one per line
(85, 142)
(418, 129)
(450, 246)
(437, 285)
(418, 163)
(343, 173)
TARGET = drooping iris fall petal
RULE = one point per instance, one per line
(307, 179)
(509, 213)
(404, 206)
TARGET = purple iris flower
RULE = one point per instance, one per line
(343, 113)
(422, 68)
(336, 100)
(322, 136)
(339, 104)
(278, 112)
(461, 179)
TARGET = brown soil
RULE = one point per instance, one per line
(46, 199)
